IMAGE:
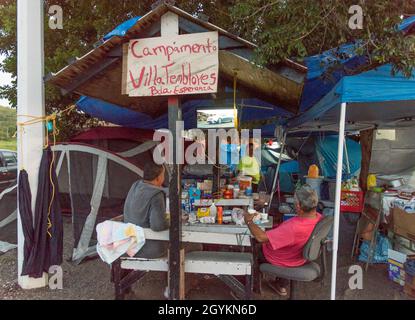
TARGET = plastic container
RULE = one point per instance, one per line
(219, 216)
(213, 210)
(315, 183)
(351, 201)
(313, 171)
(245, 182)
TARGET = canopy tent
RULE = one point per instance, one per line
(375, 99)
(372, 102)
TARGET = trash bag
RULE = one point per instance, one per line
(381, 250)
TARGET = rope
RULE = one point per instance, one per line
(55, 131)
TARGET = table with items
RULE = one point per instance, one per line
(217, 218)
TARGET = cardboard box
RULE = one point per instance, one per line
(396, 272)
(404, 223)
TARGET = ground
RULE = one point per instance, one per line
(91, 280)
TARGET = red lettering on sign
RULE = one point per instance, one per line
(133, 44)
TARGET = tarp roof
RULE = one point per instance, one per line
(375, 98)
(250, 109)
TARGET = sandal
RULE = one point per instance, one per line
(278, 287)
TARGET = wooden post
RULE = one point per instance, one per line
(170, 27)
(30, 101)
(366, 140)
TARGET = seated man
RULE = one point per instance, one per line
(283, 245)
(145, 206)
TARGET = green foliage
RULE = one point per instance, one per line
(299, 28)
(7, 123)
(7, 128)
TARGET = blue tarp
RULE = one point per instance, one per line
(133, 119)
(377, 85)
(122, 29)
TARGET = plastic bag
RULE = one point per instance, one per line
(381, 250)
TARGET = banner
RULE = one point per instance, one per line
(182, 64)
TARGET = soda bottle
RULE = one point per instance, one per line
(219, 216)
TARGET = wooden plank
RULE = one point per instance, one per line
(124, 68)
(366, 140)
(182, 288)
(169, 27)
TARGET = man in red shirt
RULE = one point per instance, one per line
(283, 245)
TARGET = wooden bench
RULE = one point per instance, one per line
(225, 265)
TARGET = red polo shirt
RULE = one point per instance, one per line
(286, 242)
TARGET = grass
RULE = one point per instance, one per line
(8, 144)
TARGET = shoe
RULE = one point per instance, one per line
(278, 287)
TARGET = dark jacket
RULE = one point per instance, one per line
(145, 206)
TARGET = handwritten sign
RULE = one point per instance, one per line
(182, 64)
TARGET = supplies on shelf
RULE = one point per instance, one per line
(396, 271)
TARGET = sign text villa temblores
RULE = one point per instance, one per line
(182, 64)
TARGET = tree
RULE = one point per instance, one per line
(300, 28)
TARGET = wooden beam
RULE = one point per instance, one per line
(366, 141)
(170, 27)
(94, 70)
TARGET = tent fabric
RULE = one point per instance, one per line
(365, 89)
(326, 150)
(407, 23)
(8, 213)
(252, 110)
(47, 249)
(114, 133)
(84, 174)
(26, 217)
(122, 29)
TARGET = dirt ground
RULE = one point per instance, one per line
(91, 280)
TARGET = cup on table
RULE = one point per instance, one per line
(264, 216)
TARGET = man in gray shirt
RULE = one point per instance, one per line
(145, 206)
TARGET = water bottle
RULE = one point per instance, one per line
(213, 210)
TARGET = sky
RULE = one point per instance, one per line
(5, 78)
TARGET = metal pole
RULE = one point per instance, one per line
(346, 153)
(337, 201)
(30, 101)
(274, 183)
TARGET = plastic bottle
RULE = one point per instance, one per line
(220, 215)
(213, 210)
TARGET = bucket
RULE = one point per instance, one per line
(315, 183)
(244, 182)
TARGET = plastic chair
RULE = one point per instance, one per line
(314, 249)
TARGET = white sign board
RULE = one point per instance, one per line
(182, 64)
